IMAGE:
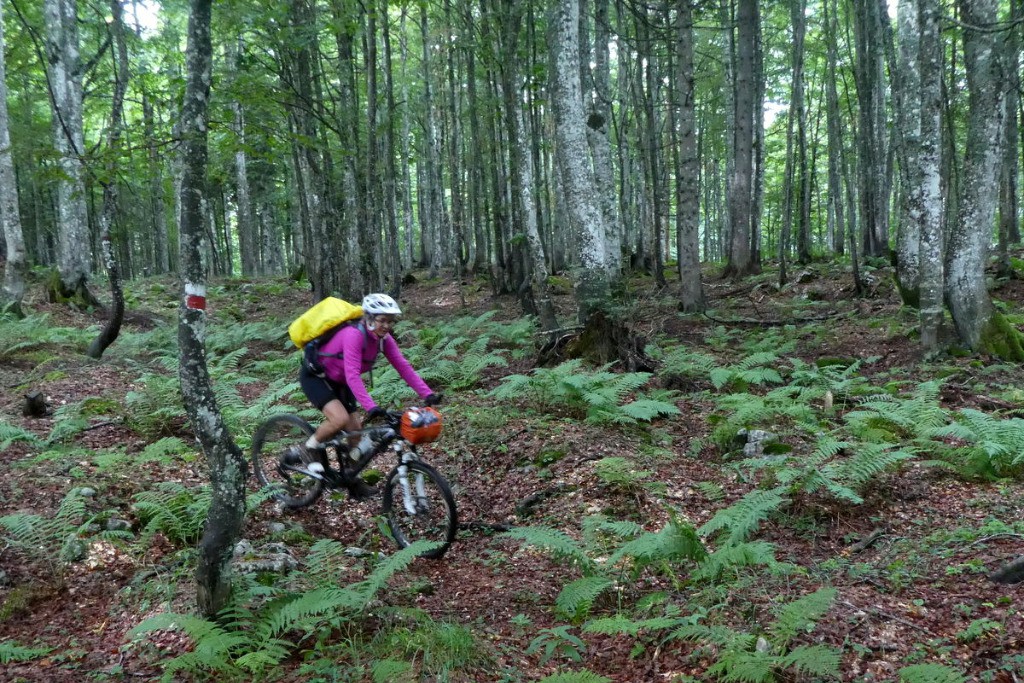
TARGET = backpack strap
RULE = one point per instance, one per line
(366, 338)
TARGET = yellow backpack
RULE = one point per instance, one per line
(322, 320)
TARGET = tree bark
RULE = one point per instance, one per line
(691, 293)
(977, 322)
(907, 96)
(110, 194)
(932, 239)
(741, 262)
(228, 468)
(16, 267)
(591, 287)
(62, 51)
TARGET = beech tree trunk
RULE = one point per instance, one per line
(907, 95)
(932, 239)
(16, 266)
(741, 256)
(688, 183)
(978, 324)
(73, 255)
(591, 286)
(228, 468)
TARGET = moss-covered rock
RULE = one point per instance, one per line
(1001, 339)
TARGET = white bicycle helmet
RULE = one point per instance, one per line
(380, 304)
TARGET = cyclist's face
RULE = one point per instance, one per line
(382, 324)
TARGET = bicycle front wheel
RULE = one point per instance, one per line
(271, 441)
(419, 506)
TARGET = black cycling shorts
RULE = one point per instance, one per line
(320, 390)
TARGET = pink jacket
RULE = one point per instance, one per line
(359, 348)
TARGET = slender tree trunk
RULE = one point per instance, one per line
(872, 142)
(835, 140)
(74, 262)
(110, 195)
(430, 225)
(228, 469)
(1008, 193)
(741, 262)
(574, 158)
(929, 175)
(393, 270)
(907, 98)
(600, 146)
(16, 267)
(691, 294)
(977, 322)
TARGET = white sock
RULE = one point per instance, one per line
(312, 443)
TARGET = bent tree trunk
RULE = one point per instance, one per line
(113, 327)
(227, 464)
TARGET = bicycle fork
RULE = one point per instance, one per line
(409, 497)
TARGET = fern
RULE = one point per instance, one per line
(993, 447)
(51, 542)
(894, 419)
(930, 673)
(18, 335)
(577, 597)
(11, 433)
(459, 367)
(10, 651)
(599, 395)
(620, 474)
(555, 542)
(754, 369)
(741, 658)
(800, 615)
(743, 517)
(732, 557)
(163, 450)
(174, 510)
(583, 676)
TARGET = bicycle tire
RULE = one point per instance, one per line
(275, 435)
(436, 518)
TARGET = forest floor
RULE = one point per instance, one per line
(909, 564)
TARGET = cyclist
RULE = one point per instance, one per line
(339, 389)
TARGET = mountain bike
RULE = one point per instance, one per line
(417, 501)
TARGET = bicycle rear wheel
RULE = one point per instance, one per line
(269, 444)
(421, 508)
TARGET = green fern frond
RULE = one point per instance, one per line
(10, 433)
(814, 661)
(583, 676)
(720, 636)
(174, 510)
(163, 450)
(325, 561)
(930, 673)
(394, 564)
(732, 557)
(553, 541)
(868, 461)
(798, 615)
(620, 624)
(711, 490)
(306, 610)
(577, 597)
(743, 517)
(10, 651)
(675, 542)
(647, 409)
(743, 666)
